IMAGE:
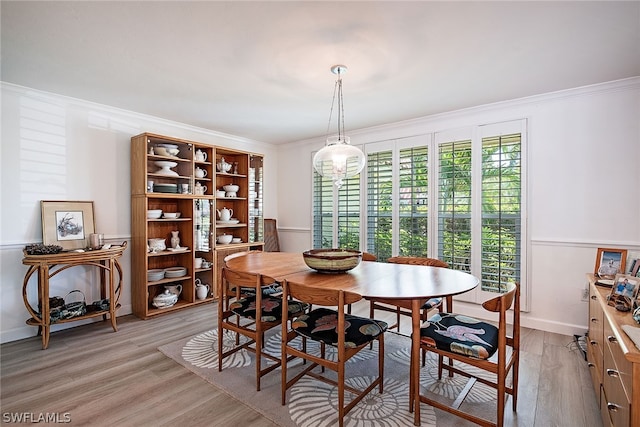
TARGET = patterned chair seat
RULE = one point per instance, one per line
(271, 308)
(432, 303)
(320, 325)
(461, 334)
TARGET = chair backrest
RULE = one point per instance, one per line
(415, 260)
(239, 279)
(236, 255)
(271, 240)
(500, 304)
(317, 295)
(367, 256)
(504, 301)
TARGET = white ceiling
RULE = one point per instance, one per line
(260, 70)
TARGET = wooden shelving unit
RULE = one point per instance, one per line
(196, 226)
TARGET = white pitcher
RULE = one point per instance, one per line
(202, 289)
(225, 214)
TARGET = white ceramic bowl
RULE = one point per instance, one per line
(231, 188)
(224, 239)
(168, 149)
(171, 215)
(154, 213)
(236, 240)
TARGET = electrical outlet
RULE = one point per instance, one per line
(585, 295)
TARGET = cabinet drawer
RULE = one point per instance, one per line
(596, 374)
(604, 412)
(617, 403)
(595, 341)
(619, 363)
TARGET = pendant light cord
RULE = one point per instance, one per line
(337, 93)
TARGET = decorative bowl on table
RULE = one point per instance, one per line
(332, 260)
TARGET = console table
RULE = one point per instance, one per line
(47, 266)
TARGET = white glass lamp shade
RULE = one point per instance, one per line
(339, 160)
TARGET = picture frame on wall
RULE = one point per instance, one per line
(610, 262)
(67, 223)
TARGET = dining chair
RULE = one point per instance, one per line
(402, 307)
(348, 334)
(273, 289)
(249, 316)
(474, 342)
(271, 240)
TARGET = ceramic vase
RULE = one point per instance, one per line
(175, 240)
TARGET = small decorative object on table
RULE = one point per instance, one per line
(332, 260)
(40, 249)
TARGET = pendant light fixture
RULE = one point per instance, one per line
(338, 159)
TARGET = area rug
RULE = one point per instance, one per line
(312, 403)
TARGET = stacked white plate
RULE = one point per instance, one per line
(155, 275)
(174, 272)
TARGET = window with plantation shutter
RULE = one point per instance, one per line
(501, 211)
(336, 213)
(322, 211)
(454, 204)
(349, 214)
(380, 204)
(413, 206)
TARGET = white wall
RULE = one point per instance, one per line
(584, 180)
(58, 148)
(584, 147)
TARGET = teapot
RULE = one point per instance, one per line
(174, 289)
(202, 289)
(199, 189)
(225, 214)
(201, 156)
(200, 173)
(223, 166)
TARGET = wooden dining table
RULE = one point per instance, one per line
(369, 279)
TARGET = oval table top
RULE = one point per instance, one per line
(369, 279)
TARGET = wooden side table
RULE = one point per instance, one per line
(47, 266)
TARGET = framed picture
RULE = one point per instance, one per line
(67, 224)
(624, 292)
(610, 262)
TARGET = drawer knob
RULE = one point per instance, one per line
(593, 342)
(594, 320)
(613, 407)
(591, 365)
(613, 373)
(593, 297)
(611, 338)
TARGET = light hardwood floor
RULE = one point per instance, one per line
(100, 377)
